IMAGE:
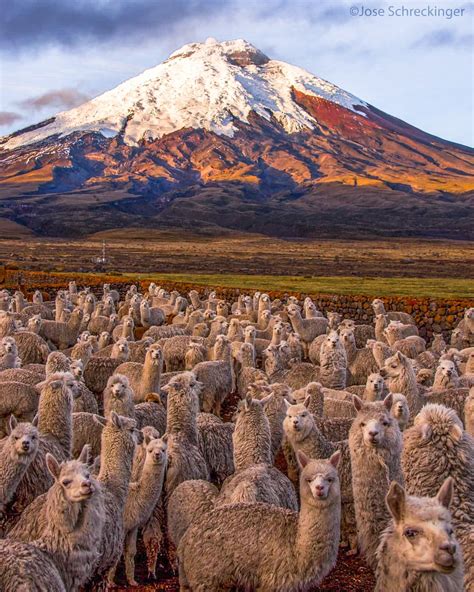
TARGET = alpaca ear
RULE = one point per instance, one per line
(399, 356)
(53, 466)
(11, 424)
(307, 401)
(335, 458)
(388, 401)
(425, 431)
(287, 404)
(164, 438)
(395, 500)
(266, 400)
(445, 493)
(248, 401)
(358, 403)
(303, 460)
(99, 419)
(35, 420)
(85, 454)
(456, 432)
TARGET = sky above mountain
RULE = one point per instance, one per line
(55, 55)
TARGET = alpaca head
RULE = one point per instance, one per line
(157, 450)
(250, 333)
(120, 349)
(23, 437)
(378, 306)
(77, 369)
(251, 408)
(74, 477)
(374, 423)
(118, 387)
(319, 479)
(446, 373)
(334, 318)
(34, 323)
(185, 383)
(421, 531)
(8, 346)
(155, 355)
(298, 421)
(395, 366)
(293, 311)
(331, 341)
(400, 410)
(375, 384)
(438, 422)
(347, 337)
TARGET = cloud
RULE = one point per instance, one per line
(442, 38)
(39, 23)
(9, 117)
(65, 98)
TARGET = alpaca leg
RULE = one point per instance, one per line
(130, 552)
(153, 537)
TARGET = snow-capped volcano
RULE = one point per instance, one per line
(221, 135)
(202, 86)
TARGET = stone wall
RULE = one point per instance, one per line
(432, 315)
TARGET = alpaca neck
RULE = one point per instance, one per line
(317, 538)
(55, 419)
(392, 573)
(143, 499)
(252, 445)
(127, 332)
(405, 383)
(313, 443)
(12, 469)
(372, 471)
(276, 339)
(182, 421)
(351, 350)
(151, 375)
(115, 463)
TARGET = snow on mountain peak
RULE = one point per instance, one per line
(201, 85)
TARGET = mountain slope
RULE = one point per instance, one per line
(220, 134)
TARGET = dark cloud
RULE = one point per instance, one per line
(35, 23)
(9, 117)
(443, 38)
(64, 98)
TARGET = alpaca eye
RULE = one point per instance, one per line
(385, 423)
(67, 482)
(450, 531)
(362, 423)
(410, 533)
(330, 479)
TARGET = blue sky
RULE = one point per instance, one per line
(56, 53)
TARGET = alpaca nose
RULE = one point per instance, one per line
(448, 547)
(373, 433)
(25, 446)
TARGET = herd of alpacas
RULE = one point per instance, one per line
(111, 430)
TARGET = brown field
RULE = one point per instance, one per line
(148, 251)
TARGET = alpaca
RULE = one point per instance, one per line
(375, 444)
(436, 447)
(418, 551)
(296, 552)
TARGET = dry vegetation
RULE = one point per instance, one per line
(145, 252)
